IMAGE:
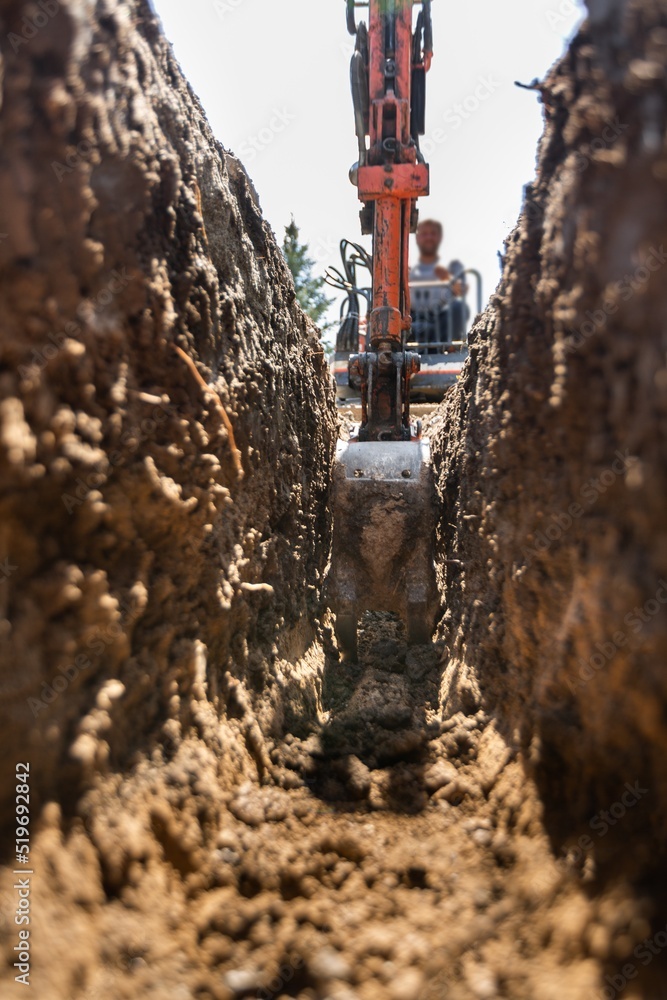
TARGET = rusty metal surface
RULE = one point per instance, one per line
(400, 180)
(383, 378)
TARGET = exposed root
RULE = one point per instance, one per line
(236, 454)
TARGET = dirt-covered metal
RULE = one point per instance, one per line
(384, 526)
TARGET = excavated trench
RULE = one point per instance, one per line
(219, 807)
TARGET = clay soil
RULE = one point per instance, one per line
(220, 808)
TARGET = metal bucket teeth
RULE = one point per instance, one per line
(384, 532)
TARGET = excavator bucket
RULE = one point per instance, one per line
(384, 526)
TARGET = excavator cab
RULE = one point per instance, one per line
(433, 335)
(441, 343)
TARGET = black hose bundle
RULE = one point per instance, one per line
(353, 256)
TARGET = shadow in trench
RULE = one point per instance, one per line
(381, 715)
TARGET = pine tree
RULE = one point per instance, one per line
(308, 287)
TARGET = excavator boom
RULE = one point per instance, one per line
(390, 176)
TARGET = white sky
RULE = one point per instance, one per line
(276, 73)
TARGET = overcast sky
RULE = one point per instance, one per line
(273, 78)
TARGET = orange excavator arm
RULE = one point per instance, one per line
(384, 494)
(387, 74)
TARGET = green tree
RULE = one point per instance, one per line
(308, 286)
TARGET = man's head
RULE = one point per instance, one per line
(429, 237)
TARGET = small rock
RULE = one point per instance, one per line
(241, 981)
(476, 823)
(645, 70)
(464, 742)
(227, 838)
(260, 805)
(249, 809)
(112, 691)
(329, 964)
(407, 986)
(227, 857)
(482, 982)
(439, 775)
(482, 837)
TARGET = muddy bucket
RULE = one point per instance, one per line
(384, 538)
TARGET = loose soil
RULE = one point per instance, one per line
(220, 808)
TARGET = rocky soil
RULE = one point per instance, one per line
(219, 808)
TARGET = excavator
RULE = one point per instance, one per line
(384, 494)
